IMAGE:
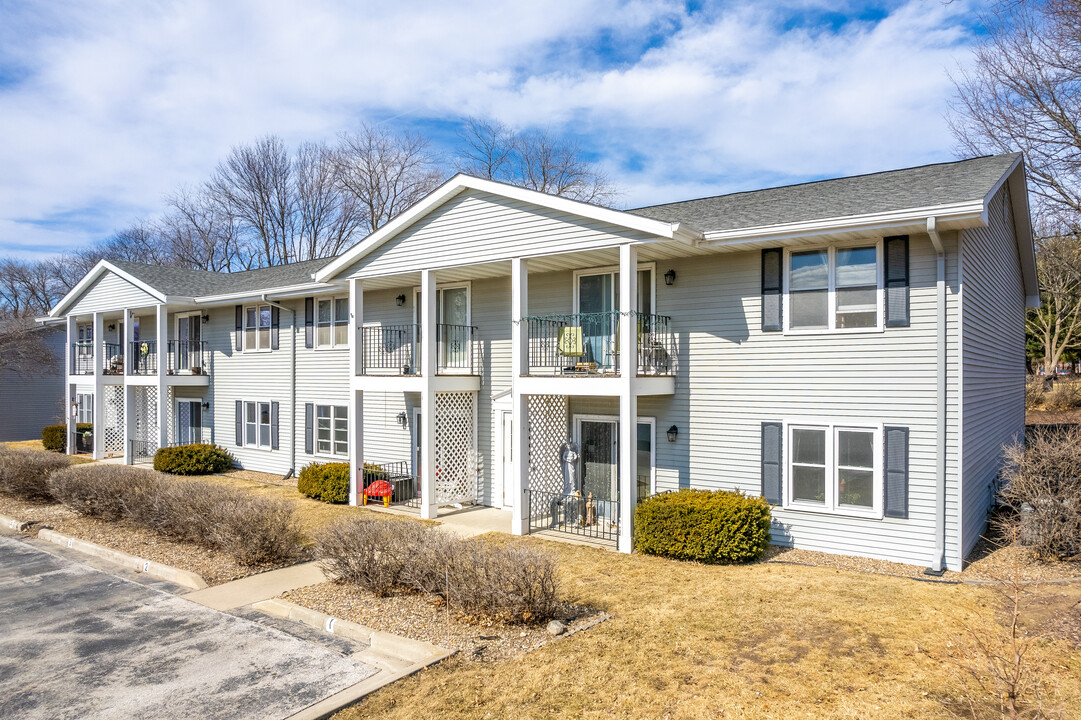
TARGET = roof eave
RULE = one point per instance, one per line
(245, 294)
(88, 279)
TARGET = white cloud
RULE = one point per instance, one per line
(104, 108)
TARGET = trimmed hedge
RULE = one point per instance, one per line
(55, 437)
(328, 482)
(708, 526)
(194, 459)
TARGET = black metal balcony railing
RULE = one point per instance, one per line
(456, 349)
(82, 358)
(390, 350)
(114, 358)
(143, 357)
(573, 515)
(391, 483)
(188, 358)
(586, 344)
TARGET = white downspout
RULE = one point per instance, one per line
(292, 382)
(938, 561)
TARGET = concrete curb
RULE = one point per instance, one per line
(153, 569)
(13, 525)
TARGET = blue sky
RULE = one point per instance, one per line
(107, 106)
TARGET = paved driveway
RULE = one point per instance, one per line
(76, 642)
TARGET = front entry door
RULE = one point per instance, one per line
(189, 421)
(600, 455)
(507, 428)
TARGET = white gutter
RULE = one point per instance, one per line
(938, 561)
(292, 381)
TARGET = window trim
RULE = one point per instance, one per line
(333, 299)
(257, 445)
(831, 291)
(83, 409)
(258, 327)
(613, 270)
(831, 506)
(332, 404)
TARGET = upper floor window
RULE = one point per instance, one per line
(257, 321)
(86, 332)
(333, 322)
(835, 288)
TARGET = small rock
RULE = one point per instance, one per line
(556, 628)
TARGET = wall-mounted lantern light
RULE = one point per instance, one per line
(670, 277)
(401, 419)
(673, 432)
(206, 318)
(112, 326)
(400, 300)
(206, 405)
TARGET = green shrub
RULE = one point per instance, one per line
(328, 482)
(25, 473)
(194, 459)
(55, 437)
(708, 526)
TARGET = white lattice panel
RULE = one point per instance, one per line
(114, 419)
(170, 417)
(146, 418)
(456, 473)
(547, 431)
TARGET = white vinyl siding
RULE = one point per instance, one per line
(110, 293)
(993, 317)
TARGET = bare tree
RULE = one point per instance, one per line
(534, 159)
(1056, 324)
(384, 172)
(329, 218)
(201, 233)
(1023, 93)
(23, 349)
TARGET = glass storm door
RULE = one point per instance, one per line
(597, 302)
(189, 422)
(599, 459)
(454, 315)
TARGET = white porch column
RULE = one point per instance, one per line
(428, 297)
(129, 390)
(99, 387)
(161, 328)
(628, 401)
(69, 396)
(356, 411)
(519, 298)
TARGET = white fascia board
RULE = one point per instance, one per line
(302, 289)
(101, 268)
(1022, 229)
(460, 183)
(973, 211)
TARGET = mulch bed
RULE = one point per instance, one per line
(214, 567)
(420, 618)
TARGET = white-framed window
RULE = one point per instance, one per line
(597, 289)
(332, 430)
(85, 411)
(836, 288)
(86, 332)
(332, 323)
(257, 424)
(257, 319)
(834, 468)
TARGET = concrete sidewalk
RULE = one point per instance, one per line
(252, 589)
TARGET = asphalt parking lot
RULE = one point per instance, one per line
(77, 642)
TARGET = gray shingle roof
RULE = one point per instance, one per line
(941, 184)
(198, 283)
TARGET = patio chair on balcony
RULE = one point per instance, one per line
(571, 344)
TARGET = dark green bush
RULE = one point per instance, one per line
(55, 437)
(194, 459)
(328, 482)
(708, 526)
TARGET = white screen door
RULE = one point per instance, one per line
(507, 428)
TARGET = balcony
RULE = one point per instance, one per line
(82, 357)
(143, 357)
(188, 358)
(395, 350)
(114, 359)
(587, 345)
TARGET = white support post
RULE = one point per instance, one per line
(129, 390)
(161, 328)
(628, 400)
(520, 403)
(356, 412)
(70, 396)
(428, 296)
(99, 387)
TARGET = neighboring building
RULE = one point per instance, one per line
(33, 398)
(853, 349)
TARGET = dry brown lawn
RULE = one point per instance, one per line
(758, 641)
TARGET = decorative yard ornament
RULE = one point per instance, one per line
(569, 452)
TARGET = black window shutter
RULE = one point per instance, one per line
(771, 289)
(239, 327)
(274, 326)
(897, 281)
(772, 451)
(896, 474)
(309, 322)
(239, 422)
(273, 425)
(309, 421)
